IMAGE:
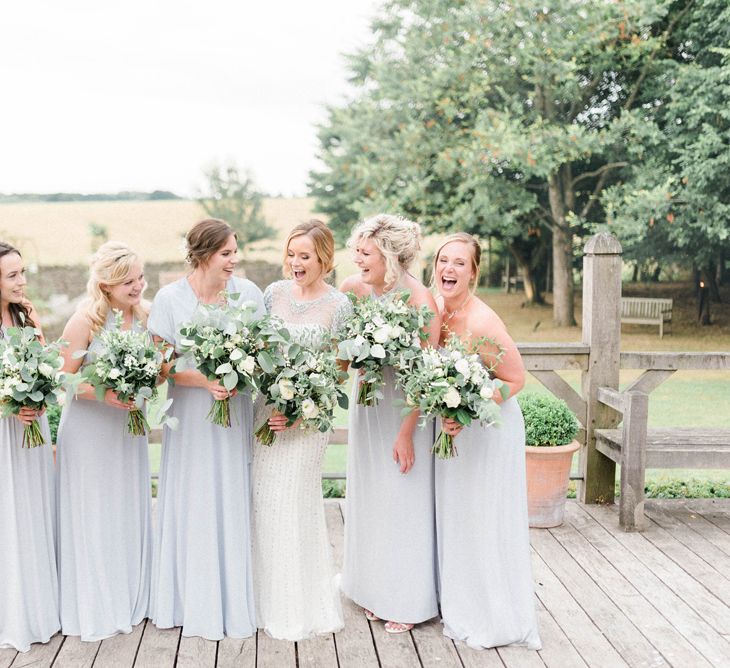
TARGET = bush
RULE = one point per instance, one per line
(53, 412)
(333, 489)
(548, 420)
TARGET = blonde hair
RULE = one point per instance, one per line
(205, 238)
(322, 239)
(397, 238)
(476, 255)
(110, 265)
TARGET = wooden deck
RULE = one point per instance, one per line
(604, 598)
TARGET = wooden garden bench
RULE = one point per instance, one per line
(646, 311)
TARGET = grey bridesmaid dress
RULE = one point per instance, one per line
(201, 572)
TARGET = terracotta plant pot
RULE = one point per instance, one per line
(548, 471)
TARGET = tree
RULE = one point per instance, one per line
(234, 198)
(498, 118)
(676, 204)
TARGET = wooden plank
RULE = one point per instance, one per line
(7, 656)
(602, 333)
(434, 648)
(675, 361)
(669, 647)
(649, 380)
(547, 362)
(519, 657)
(612, 398)
(541, 349)
(713, 579)
(665, 585)
(586, 637)
(354, 643)
(194, 651)
(273, 653)
(237, 653)
(557, 650)
(158, 647)
(75, 653)
(560, 388)
(477, 658)
(394, 650)
(120, 650)
(633, 461)
(705, 528)
(40, 655)
(624, 637)
(317, 651)
(716, 511)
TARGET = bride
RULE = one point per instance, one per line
(295, 591)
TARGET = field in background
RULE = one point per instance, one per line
(58, 233)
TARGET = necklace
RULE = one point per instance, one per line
(450, 314)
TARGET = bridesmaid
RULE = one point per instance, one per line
(28, 581)
(104, 500)
(296, 593)
(201, 574)
(485, 578)
(390, 548)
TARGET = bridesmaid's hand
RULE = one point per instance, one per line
(218, 391)
(403, 454)
(450, 427)
(111, 399)
(27, 415)
(277, 422)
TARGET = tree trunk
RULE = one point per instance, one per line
(711, 283)
(532, 289)
(563, 289)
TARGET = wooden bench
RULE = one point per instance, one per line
(636, 447)
(646, 311)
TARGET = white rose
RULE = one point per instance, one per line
(309, 409)
(377, 351)
(286, 389)
(487, 392)
(452, 398)
(382, 334)
(115, 373)
(248, 365)
(462, 366)
(397, 331)
(477, 377)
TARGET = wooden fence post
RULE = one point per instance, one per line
(602, 332)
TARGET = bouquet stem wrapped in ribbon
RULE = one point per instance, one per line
(301, 384)
(30, 377)
(223, 343)
(454, 383)
(381, 332)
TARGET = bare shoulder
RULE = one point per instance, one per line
(484, 321)
(420, 294)
(78, 327)
(355, 285)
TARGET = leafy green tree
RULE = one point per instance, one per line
(676, 204)
(498, 118)
(233, 197)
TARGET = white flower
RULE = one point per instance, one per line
(397, 331)
(377, 351)
(487, 392)
(309, 409)
(236, 354)
(45, 369)
(114, 373)
(452, 398)
(248, 365)
(286, 388)
(462, 366)
(382, 334)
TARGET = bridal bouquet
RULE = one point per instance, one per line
(30, 377)
(301, 384)
(381, 332)
(452, 382)
(223, 343)
(128, 363)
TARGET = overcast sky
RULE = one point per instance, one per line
(143, 94)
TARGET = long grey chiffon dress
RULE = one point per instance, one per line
(28, 581)
(390, 550)
(201, 572)
(485, 578)
(104, 525)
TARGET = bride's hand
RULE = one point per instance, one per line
(277, 422)
(450, 427)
